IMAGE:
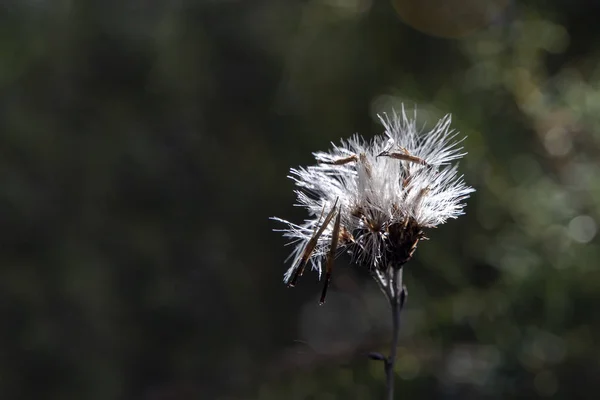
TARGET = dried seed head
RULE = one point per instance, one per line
(385, 192)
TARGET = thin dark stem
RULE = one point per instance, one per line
(396, 289)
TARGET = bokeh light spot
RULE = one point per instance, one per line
(582, 228)
(558, 142)
(449, 18)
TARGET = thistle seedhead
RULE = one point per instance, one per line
(376, 197)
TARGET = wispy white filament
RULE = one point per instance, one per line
(374, 191)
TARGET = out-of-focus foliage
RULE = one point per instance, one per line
(145, 144)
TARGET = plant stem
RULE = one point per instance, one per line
(396, 289)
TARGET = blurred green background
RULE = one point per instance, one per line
(144, 144)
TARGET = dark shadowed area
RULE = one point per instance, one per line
(145, 144)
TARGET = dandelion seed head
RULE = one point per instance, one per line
(386, 190)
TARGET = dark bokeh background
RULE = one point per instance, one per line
(144, 144)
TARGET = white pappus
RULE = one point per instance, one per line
(373, 199)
